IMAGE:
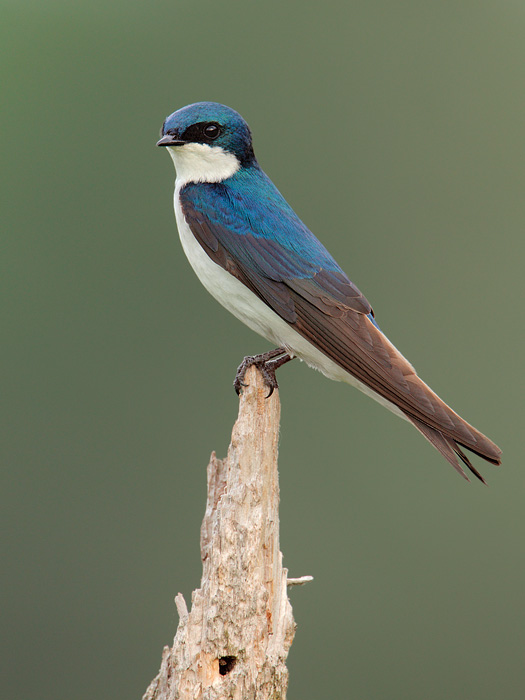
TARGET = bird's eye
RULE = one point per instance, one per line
(212, 131)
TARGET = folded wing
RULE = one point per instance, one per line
(295, 275)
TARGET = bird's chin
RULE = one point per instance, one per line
(198, 162)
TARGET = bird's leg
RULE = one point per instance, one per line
(266, 363)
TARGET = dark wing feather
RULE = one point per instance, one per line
(357, 345)
(261, 256)
(331, 313)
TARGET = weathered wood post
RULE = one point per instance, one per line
(235, 640)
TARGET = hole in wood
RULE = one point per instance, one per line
(226, 663)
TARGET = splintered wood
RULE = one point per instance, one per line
(235, 640)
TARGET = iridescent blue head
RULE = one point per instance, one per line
(210, 124)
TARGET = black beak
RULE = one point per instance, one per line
(170, 140)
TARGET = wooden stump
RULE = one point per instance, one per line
(234, 642)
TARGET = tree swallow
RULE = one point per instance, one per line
(257, 258)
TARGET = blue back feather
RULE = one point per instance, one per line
(249, 203)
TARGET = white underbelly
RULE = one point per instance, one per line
(248, 308)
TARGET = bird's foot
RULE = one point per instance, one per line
(267, 364)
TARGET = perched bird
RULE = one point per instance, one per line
(257, 258)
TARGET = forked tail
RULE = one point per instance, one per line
(451, 450)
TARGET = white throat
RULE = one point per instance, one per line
(198, 162)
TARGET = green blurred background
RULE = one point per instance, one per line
(396, 130)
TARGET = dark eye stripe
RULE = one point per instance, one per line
(202, 132)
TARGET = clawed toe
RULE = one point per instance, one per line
(266, 363)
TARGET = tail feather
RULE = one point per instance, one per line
(449, 448)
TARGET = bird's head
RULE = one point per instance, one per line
(207, 141)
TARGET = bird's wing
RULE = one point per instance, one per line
(268, 244)
(295, 275)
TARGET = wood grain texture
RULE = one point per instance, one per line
(235, 640)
